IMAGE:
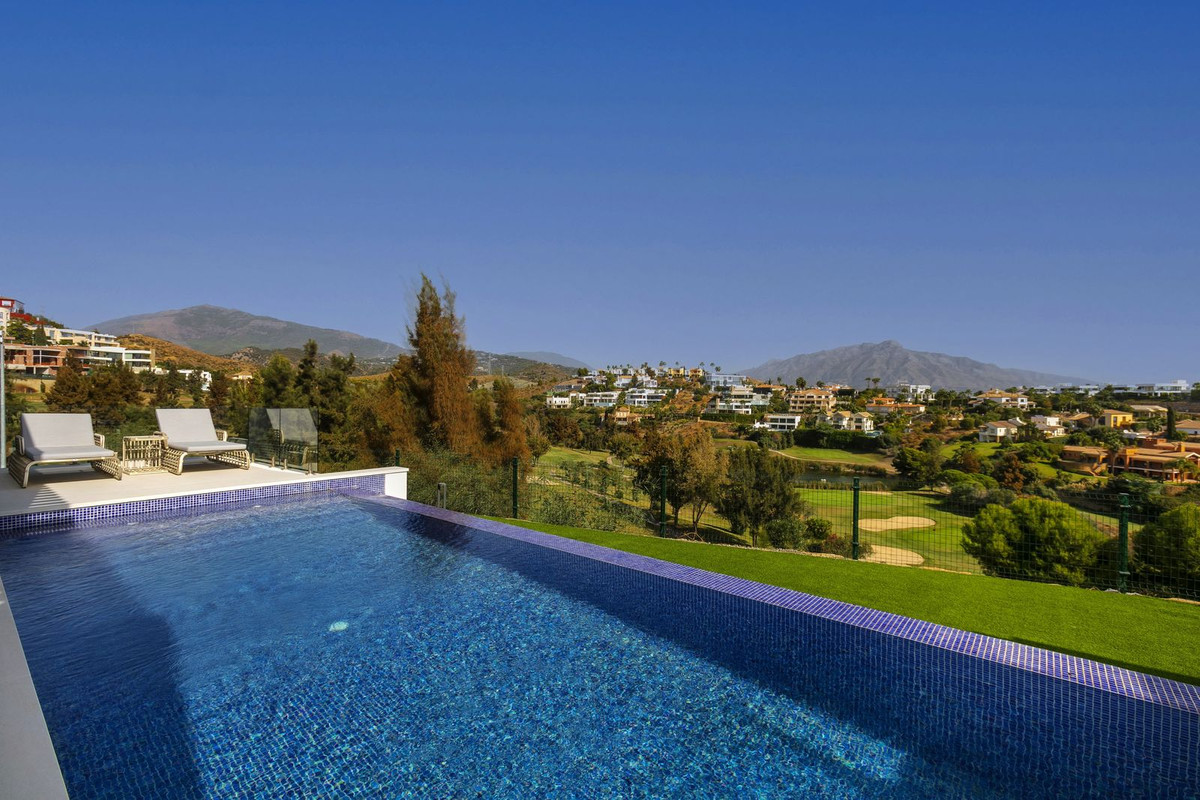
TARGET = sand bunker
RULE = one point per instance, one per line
(894, 555)
(895, 523)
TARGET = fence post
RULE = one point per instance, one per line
(396, 457)
(662, 501)
(854, 524)
(1123, 545)
(515, 466)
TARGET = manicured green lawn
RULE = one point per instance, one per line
(1141, 633)
(835, 456)
(560, 456)
(940, 545)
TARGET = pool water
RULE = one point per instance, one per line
(324, 648)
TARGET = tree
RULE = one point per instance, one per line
(195, 386)
(219, 389)
(166, 394)
(539, 443)
(14, 407)
(111, 390)
(306, 376)
(433, 379)
(757, 488)
(507, 437)
(1034, 538)
(278, 383)
(920, 465)
(1166, 552)
(70, 391)
(701, 471)
(1011, 473)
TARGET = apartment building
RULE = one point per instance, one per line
(717, 380)
(70, 336)
(812, 401)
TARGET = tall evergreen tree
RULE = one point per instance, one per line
(306, 377)
(278, 383)
(70, 391)
(219, 389)
(508, 440)
(434, 378)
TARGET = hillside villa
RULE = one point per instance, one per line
(1000, 398)
(1153, 458)
(1002, 431)
(844, 420)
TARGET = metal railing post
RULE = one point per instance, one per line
(854, 524)
(515, 509)
(396, 458)
(662, 501)
(1123, 545)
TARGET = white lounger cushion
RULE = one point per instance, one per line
(80, 453)
(206, 447)
(191, 430)
(57, 430)
(60, 437)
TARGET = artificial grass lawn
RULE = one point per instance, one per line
(1141, 633)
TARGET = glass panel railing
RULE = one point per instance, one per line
(284, 437)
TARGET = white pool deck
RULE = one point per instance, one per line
(72, 486)
(28, 765)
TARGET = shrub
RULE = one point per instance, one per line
(786, 533)
(1034, 538)
(969, 498)
(954, 477)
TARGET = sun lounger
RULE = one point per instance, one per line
(59, 439)
(190, 432)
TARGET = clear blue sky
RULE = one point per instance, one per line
(622, 183)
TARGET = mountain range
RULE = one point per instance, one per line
(893, 363)
(546, 357)
(251, 340)
(221, 331)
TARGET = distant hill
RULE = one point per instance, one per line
(219, 331)
(485, 363)
(186, 357)
(551, 358)
(892, 363)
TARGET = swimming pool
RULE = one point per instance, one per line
(352, 647)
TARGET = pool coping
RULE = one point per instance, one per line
(1072, 669)
(28, 762)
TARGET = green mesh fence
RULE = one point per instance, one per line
(1090, 540)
